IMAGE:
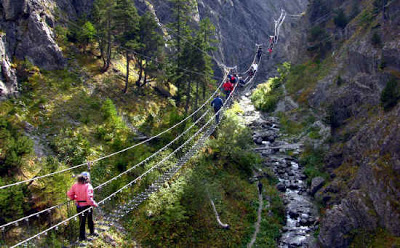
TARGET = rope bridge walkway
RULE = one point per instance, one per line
(107, 216)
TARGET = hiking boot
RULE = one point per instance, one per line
(94, 234)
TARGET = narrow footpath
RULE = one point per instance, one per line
(301, 213)
(257, 225)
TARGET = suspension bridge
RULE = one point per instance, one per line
(107, 214)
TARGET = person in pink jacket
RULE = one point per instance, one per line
(82, 193)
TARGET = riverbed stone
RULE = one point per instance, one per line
(281, 187)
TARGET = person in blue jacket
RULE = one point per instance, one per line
(217, 103)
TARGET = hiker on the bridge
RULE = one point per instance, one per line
(82, 193)
(253, 69)
(271, 43)
(233, 79)
(259, 53)
(228, 87)
(241, 82)
(217, 103)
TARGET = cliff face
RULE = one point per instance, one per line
(27, 27)
(240, 25)
(27, 34)
(364, 159)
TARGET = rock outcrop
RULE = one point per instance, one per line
(27, 34)
(364, 158)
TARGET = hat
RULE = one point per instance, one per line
(86, 174)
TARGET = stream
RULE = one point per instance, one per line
(301, 213)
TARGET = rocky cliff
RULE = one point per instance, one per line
(27, 34)
(363, 159)
(28, 30)
(240, 25)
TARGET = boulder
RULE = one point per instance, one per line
(281, 187)
(316, 184)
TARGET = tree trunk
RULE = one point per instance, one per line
(109, 46)
(145, 75)
(188, 97)
(197, 97)
(204, 89)
(178, 83)
(127, 71)
(140, 73)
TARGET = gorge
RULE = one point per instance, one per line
(331, 110)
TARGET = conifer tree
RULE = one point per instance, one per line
(150, 45)
(181, 15)
(126, 27)
(103, 19)
(87, 34)
(206, 34)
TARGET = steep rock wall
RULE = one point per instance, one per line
(242, 24)
(364, 162)
(27, 33)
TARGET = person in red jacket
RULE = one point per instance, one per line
(228, 87)
(82, 193)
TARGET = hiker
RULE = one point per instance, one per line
(241, 82)
(254, 68)
(233, 79)
(260, 186)
(259, 53)
(82, 193)
(228, 87)
(217, 103)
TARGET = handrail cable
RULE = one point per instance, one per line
(119, 175)
(129, 184)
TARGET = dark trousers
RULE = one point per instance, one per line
(227, 93)
(82, 221)
(217, 116)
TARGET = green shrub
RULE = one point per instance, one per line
(13, 147)
(340, 19)
(390, 94)
(339, 81)
(289, 126)
(316, 33)
(313, 161)
(376, 40)
(71, 147)
(267, 95)
(366, 17)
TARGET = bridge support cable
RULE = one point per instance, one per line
(128, 148)
(111, 196)
(48, 211)
(122, 210)
(249, 83)
(169, 174)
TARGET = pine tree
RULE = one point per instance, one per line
(126, 27)
(87, 34)
(150, 45)
(103, 20)
(181, 15)
(206, 34)
(198, 61)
